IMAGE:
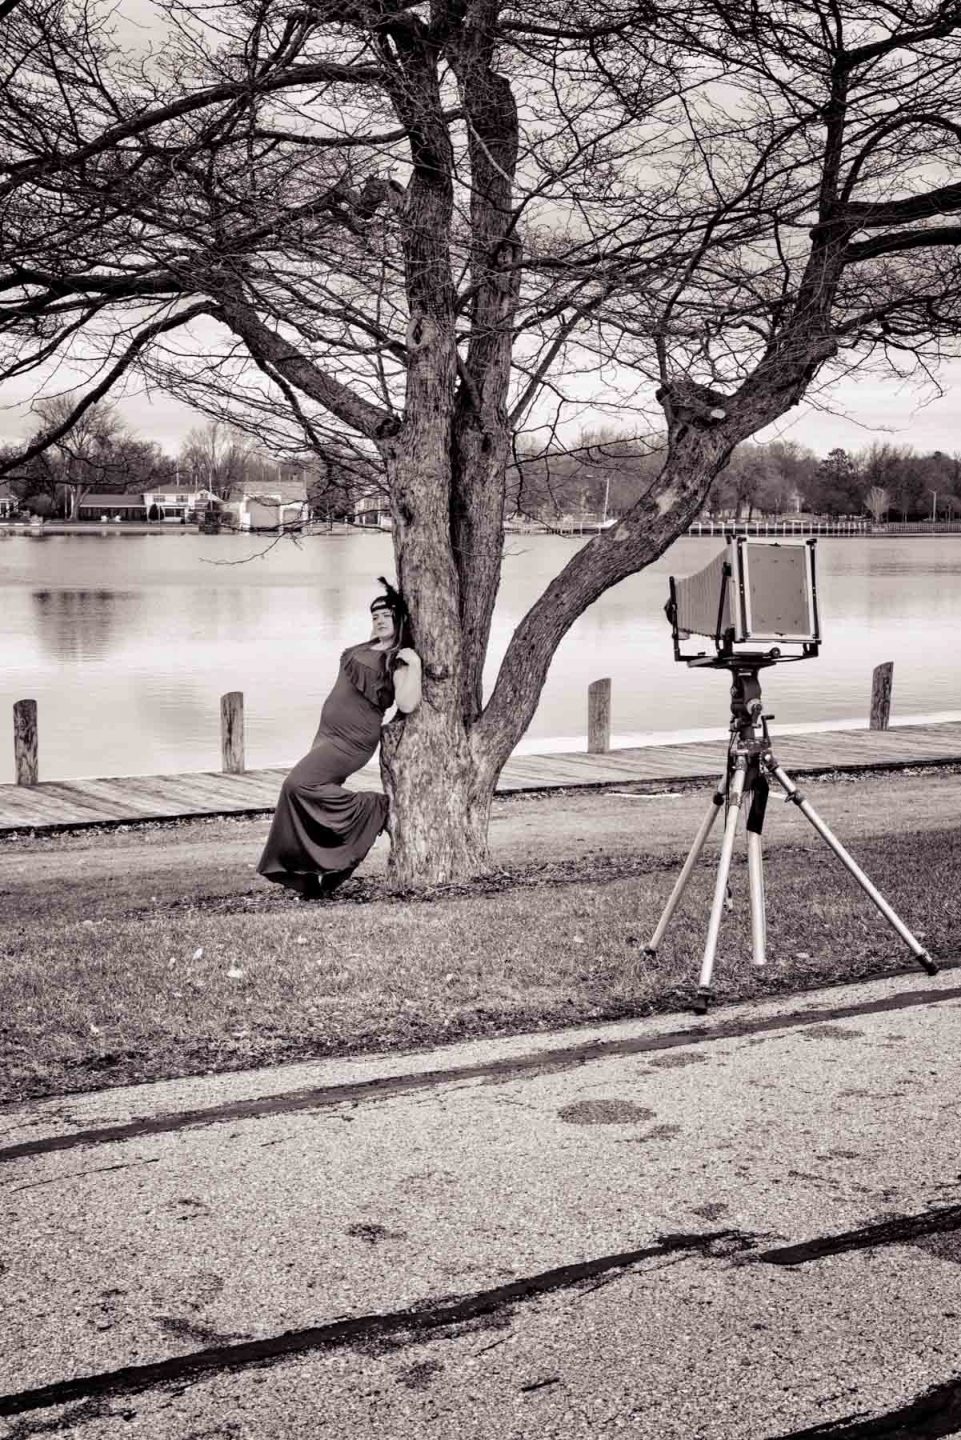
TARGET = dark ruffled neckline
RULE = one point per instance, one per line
(373, 681)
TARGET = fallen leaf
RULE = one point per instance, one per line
(235, 973)
(198, 953)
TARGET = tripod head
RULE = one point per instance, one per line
(746, 704)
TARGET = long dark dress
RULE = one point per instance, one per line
(319, 826)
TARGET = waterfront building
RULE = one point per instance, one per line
(183, 503)
(372, 512)
(118, 506)
(275, 504)
(9, 504)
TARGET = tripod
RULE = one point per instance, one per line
(744, 786)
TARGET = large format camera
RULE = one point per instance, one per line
(753, 594)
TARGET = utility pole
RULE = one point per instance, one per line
(934, 505)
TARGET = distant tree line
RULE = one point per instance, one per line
(605, 476)
(601, 477)
(98, 454)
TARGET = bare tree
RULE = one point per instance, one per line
(90, 452)
(217, 457)
(877, 501)
(898, 470)
(416, 230)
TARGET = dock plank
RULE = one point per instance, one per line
(123, 796)
(140, 798)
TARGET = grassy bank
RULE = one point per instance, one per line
(159, 956)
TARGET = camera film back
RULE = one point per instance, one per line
(778, 591)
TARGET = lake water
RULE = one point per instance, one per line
(127, 643)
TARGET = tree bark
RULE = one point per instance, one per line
(439, 802)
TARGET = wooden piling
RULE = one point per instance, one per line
(25, 741)
(881, 685)
(599, 717)
(232, 732)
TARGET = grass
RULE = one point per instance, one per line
(156, 966)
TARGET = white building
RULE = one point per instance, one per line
(182, 503)
(270, 505)
(373, 511)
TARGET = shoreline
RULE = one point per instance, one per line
(773, 530)
(712, 735)
(106, 801)
(544, 746)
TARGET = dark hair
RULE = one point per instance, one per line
(395, 603)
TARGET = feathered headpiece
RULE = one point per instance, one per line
(395, 603)
(392, 601)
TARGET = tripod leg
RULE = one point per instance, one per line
(793, 794)
(755, 869)
(703, 996)
(707, 824)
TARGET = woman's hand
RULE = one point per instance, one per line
(407, 656)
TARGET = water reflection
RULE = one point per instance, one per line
(80, 626)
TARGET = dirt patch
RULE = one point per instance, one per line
(605, 1112)
(830, 1032)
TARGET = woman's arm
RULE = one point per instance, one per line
(407, 680)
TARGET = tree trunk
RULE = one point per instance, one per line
(439, 797)
(481, 433)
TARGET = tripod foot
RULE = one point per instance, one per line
(702, 1000)
(929, 966)
(650, 951)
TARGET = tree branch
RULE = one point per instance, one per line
(873, 214)
(947, 25)
(295, 76)
(267, 347)
(139, 343)
(902, 240)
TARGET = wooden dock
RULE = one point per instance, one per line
(69, 804)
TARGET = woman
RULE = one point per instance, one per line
(321, 832)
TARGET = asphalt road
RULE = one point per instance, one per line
(743, 1226)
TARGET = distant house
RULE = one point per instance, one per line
(184, 502)
(372, 511)
(112, 507)
(9, 504)
(268, 505)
